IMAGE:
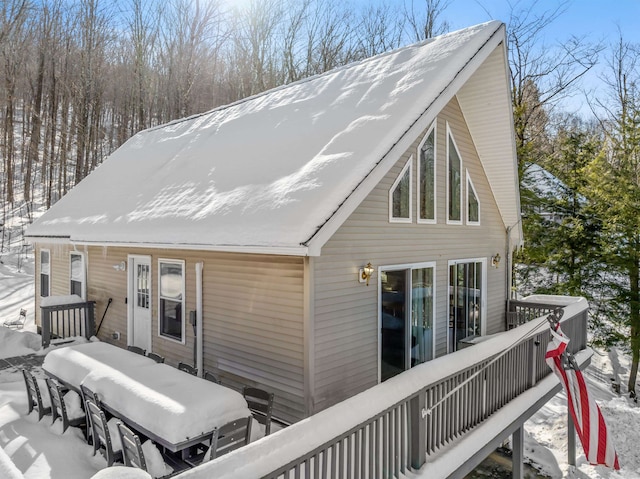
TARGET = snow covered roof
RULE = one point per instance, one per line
(279, 172)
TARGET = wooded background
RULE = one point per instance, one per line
(78, 78)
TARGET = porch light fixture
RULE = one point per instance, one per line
(495, 260)
(365, 274)
(121, 266)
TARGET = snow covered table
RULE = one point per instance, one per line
(173, 408)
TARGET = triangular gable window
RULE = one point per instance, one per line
(473, 204)
(400, 196)
(454, 181)
(427, 178)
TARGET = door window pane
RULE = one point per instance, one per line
(142, 286)
(421, 315)
(465, 296)
(407, 319)
(393, 317)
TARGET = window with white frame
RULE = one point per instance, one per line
(45, 273)
(454, 181)
(78, 275)
(427, 178)
(473, 203)
(400, 196)
(171, 286)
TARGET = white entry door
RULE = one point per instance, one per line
(139, 328)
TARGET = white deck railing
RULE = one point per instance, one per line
(395, 426)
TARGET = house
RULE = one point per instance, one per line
(313, 240)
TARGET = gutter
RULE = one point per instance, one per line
(249, 249)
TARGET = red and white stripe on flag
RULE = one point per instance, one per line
(589, 422)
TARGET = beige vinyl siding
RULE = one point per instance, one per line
(252, 311)
(346, 311)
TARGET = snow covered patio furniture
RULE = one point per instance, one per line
(138, 390)
(101, 435)
(17, 323)
(59, 407)
(261, 405)
(34, 397)
(225, 439)
(132, 453)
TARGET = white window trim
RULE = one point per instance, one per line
(84, 272)
(393, 219)
(42, 250)
(471, 187)
(433, 220)
(483, 310)
(184, 282)
(455, 145)
(400, 267)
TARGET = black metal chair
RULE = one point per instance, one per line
(261, 406)
(59, 408)
(187, 368)
(34, 398)
(137, 350)
(209, 376)
(101, 435)
(132, 453)
(156, 357)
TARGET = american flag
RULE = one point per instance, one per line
(588, 420)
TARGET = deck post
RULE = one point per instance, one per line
(571, 440)
(90, 320)
(418, 452)
(517, 451)
(45, 319)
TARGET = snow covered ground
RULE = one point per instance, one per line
(40, 450)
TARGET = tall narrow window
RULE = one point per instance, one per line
(473, 204)
(427, 178)
(400, 196)
(78, 279)
(454, 183)
(45, 273)
(466, 292)
(171, 294)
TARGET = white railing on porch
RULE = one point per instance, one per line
(394, 427)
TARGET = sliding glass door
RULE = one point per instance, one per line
(406, 317)
(466, 303)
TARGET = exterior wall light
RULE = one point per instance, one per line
(365, 274)
(495, 260)
(121, 266)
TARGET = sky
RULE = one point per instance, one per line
(592, 21)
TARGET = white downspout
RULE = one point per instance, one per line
(199, 349)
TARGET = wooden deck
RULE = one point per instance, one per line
(399, 426)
